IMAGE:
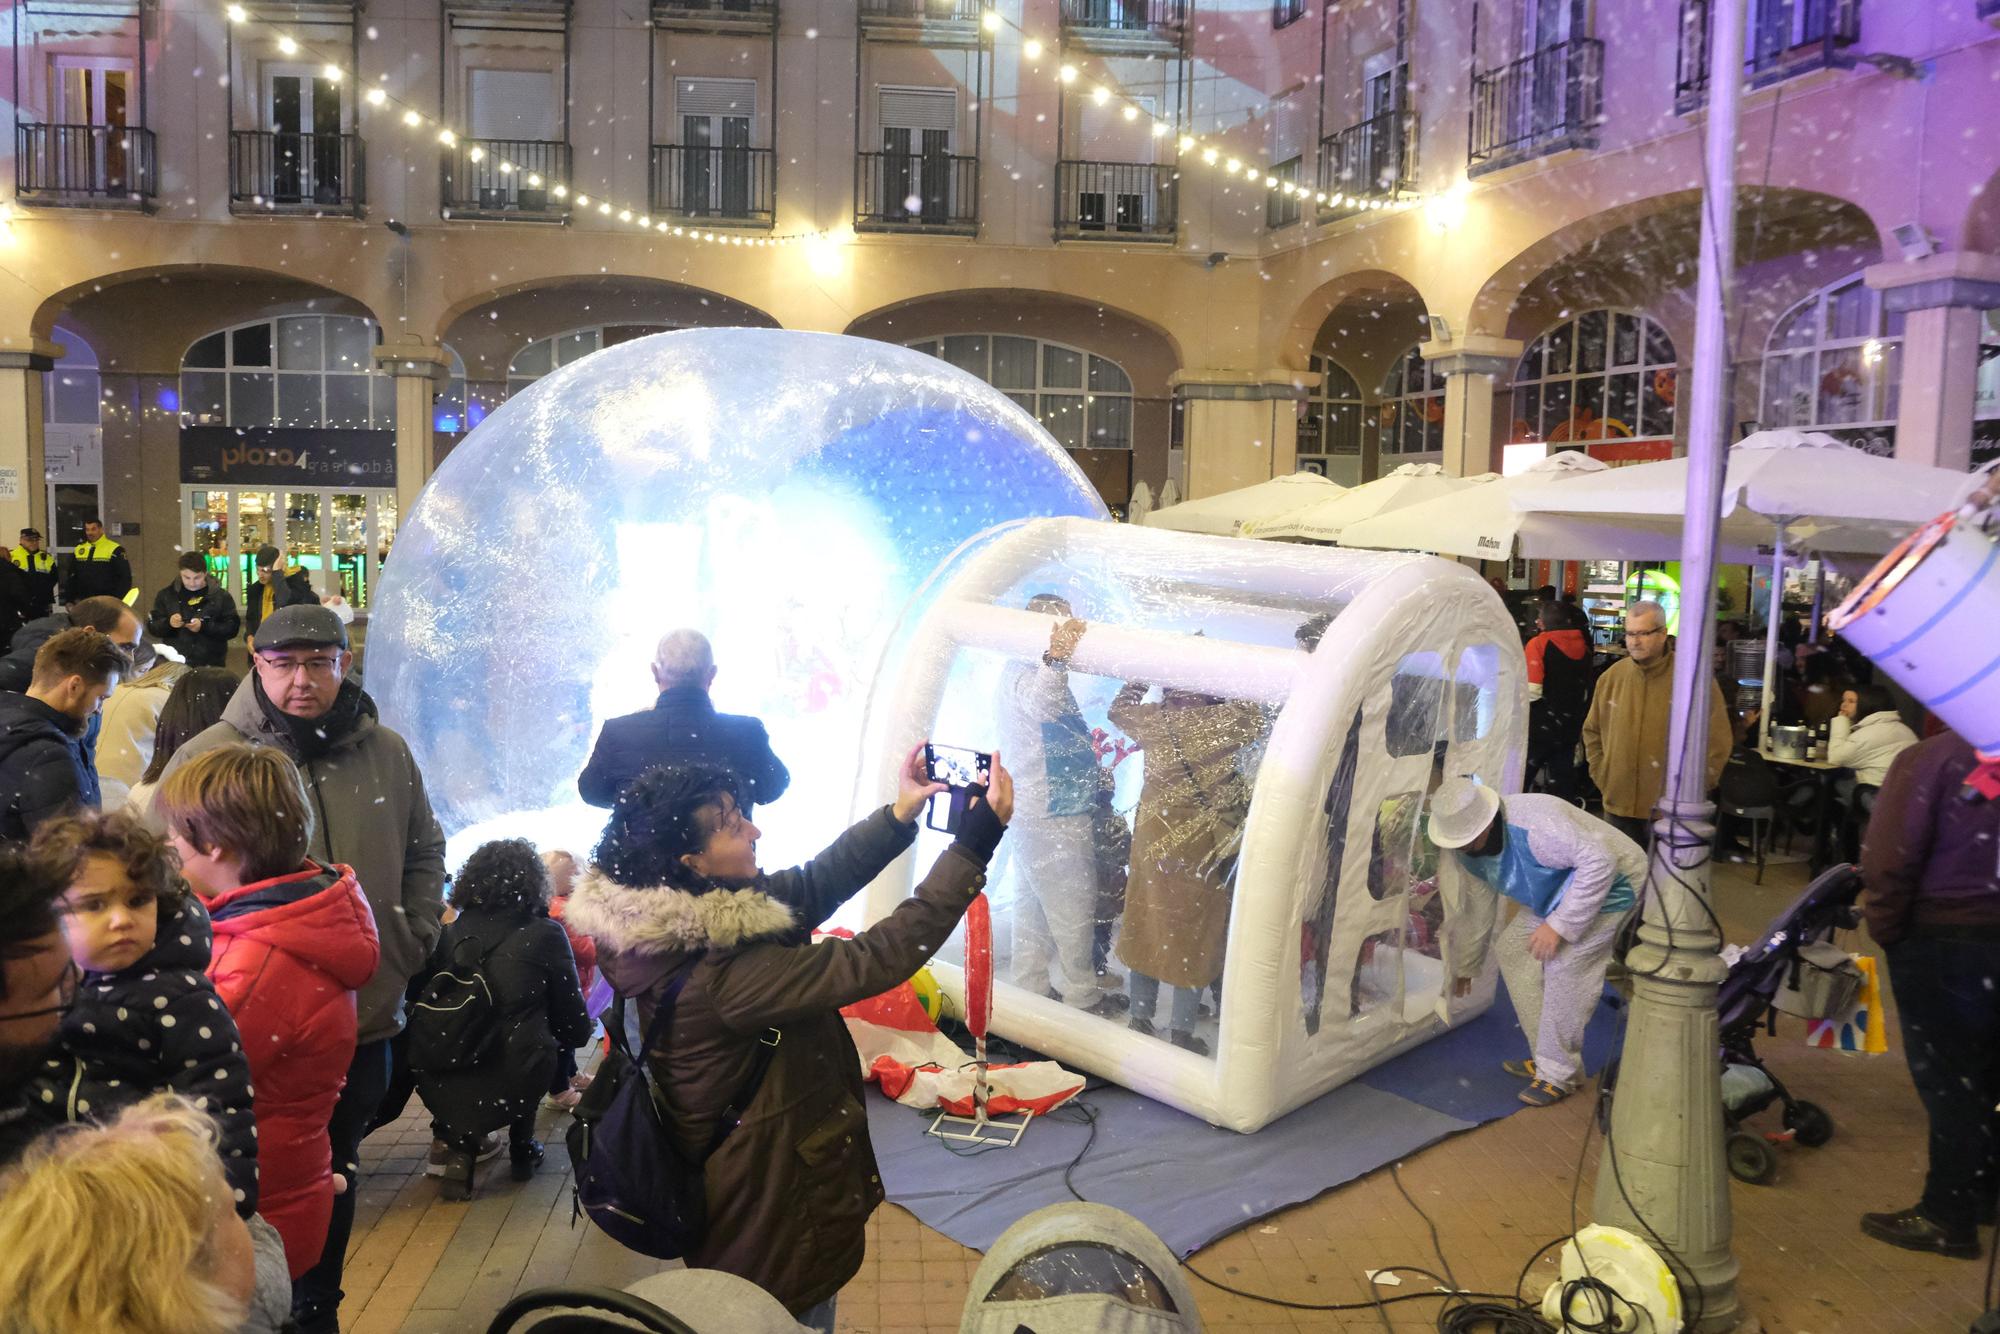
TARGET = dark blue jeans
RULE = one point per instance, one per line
(1948, 1001)
(316, 1293)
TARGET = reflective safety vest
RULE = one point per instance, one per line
(37, 562)
(102, 550)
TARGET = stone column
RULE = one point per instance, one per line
(421, 374)
(1473, 367)
(1941, 298)
(23, 493)
(1241, 427)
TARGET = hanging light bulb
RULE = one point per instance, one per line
(237, 13)
(1161, 129)
(412, 119)
(1032, 49)
(476, 153)
(331, 73)
(560, 192)
(447, 138)
(1131, 112)
(535, 183)
(604, 208)
(624, 215)
(990, 20)
(583, 201)
(375, 97)
(1068, 74)
(1100, 94)
(288, 47)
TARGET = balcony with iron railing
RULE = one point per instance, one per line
(732, 186)
(941, 18)
(505, 179)
(308, 175)
(916, 192)
(1115, 25)
(1541, 104)
(1782, 38)
(1374, 159)
(717, 15)
(84, 166)
(1116, 201)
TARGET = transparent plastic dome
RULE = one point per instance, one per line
(785, 493)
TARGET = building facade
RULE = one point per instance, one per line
(268, 264)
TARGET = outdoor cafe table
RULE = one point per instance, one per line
(1823, 774)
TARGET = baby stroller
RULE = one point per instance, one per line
(1794, 968)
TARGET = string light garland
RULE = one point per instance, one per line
(1190, 149)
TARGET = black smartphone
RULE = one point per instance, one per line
(957, 766)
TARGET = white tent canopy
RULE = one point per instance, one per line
(1224, 515)
(1327, 519)
(1481, 522)
(1827, 495)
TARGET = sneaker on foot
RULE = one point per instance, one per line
(1188, 1042)
(456, 1177)
(434, 1165)
(1912, 1231)
(1542, 1093)
(526, 1157)
(1520, 1069)
(1109, 1005)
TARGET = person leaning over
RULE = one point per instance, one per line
(1575, 878)
(676, 896)
(194, 614)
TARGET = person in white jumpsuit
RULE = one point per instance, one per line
(1575, 878)
(1048, 746)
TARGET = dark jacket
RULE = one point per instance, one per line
(288, 956)
(17, 669)
(374, 816)
(44, 768)
(208, 646)
(791, 1188)
(159, 1025)
(38, 577)
(1931, 861)
(292, 587)
(1559, 679)
(98, 569)
(683, 727)
(540, 1008)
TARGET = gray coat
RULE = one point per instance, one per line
(370, 813)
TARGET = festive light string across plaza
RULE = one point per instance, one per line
(1191, 149)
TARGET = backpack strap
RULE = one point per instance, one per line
(767, 1050)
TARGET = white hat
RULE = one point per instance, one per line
(1460, 812)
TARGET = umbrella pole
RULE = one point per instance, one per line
(1771, 640)
(1663, 1175)
(1819, 598)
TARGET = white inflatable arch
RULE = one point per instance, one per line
(1344, 930)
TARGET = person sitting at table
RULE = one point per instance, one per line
(1866, 736)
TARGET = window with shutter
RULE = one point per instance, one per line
(715, 97)
(513, 104)
(933, 109)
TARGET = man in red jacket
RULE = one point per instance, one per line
(1932, 865)
(294, 940)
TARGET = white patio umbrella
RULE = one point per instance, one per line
(1481, 522)
(1140, 504)
(1327, 519)
(1798, 488)
(1224, 515)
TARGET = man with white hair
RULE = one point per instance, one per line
(1625, 732)
(683, 728)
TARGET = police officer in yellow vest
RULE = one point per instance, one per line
(98, 567)
(38, 570)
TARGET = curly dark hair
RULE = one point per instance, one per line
(505, 877)
(148, 860)
(657, 820)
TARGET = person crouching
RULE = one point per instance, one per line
(1575, 878)
(536, 1007)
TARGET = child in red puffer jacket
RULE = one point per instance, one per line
(293, 942)
(568, 1088)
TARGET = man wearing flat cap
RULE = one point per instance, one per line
(371, 814)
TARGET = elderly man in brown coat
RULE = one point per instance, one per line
(1625, 732)
(676, 900)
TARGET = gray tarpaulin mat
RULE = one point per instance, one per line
(1185, 1179)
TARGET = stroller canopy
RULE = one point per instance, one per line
(1079, 1269)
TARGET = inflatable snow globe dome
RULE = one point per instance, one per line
(1216, 888)
(785, 493)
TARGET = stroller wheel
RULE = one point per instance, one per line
(1809, 1123)
(1751, 1160)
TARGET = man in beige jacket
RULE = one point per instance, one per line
(1625, 732)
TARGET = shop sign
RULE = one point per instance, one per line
(1620, 452)
(223, 456)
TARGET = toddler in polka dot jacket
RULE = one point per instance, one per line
(146, 1018)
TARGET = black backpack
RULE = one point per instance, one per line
(455, 1023)
(629, 1176)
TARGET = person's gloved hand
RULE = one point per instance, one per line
(986, 815)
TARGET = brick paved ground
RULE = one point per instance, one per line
(1496, 1193)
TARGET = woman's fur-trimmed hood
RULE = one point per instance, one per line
(665, 920)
